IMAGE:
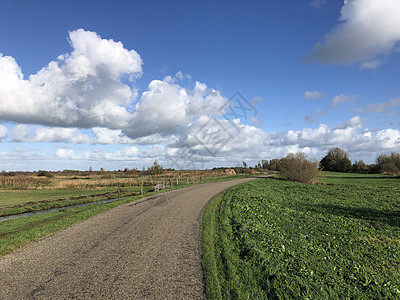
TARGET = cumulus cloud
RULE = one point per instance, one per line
(130, 153)
(311, 95)
(82, 89)
(367, 29)
(23, 133)
(3, 132)
(166, 106)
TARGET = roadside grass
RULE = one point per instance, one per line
(274, 239)
(19, 232)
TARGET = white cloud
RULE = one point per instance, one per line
(311, 95)
(367, 29)
(19, 154)
(372, 64)
(81, 89)
(380, 107)
(343, 99)
(166, 106)
(22, 133)
(3, 132)
(108, 136)
(208, 143)
(130, 153)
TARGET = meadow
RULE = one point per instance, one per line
(275, 239)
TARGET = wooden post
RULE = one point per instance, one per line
(118, 192)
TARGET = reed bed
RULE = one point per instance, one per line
(100, 181)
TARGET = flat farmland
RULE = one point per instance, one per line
(275, 239)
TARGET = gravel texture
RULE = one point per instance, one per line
(149, 249)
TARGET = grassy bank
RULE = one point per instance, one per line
(273, 239)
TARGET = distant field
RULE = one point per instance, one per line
(274, 239)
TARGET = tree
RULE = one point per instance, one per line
(264, 164)
(388, 164)
(296, 167)
(274, 164)
(359, 167)
(156, 168)
(337, 160)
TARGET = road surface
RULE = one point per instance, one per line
(140, 250)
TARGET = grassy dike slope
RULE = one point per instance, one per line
(273, 239)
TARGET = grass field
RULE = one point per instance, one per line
(274, 239)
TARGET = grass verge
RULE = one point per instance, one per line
(274, 239)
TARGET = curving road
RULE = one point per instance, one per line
(148, 249)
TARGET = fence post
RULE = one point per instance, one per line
(118, 192)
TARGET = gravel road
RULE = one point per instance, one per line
(141, 250)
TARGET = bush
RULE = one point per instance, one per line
(359, 167)
(389, 168)
(108, 176)
(46, 174)
(296, 167)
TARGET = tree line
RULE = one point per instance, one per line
(337, 160)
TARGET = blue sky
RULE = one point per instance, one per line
(146, 80)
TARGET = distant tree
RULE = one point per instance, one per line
(274, 164)
(337, 160)
(265, 164)
(296, 167)
(90, 169)
(389, 164)
(101, 170)
(244, 164)
(359, 167)
(383, 159)
(389, 168)
(156, 168)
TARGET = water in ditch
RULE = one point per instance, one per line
(5, 218)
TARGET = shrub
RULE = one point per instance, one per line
(296, 167)
(108, 176)
(46, 174)
(389, 168)
(359, 167)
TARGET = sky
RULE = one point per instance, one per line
(195, 84)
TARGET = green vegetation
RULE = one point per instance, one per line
(277, 239)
